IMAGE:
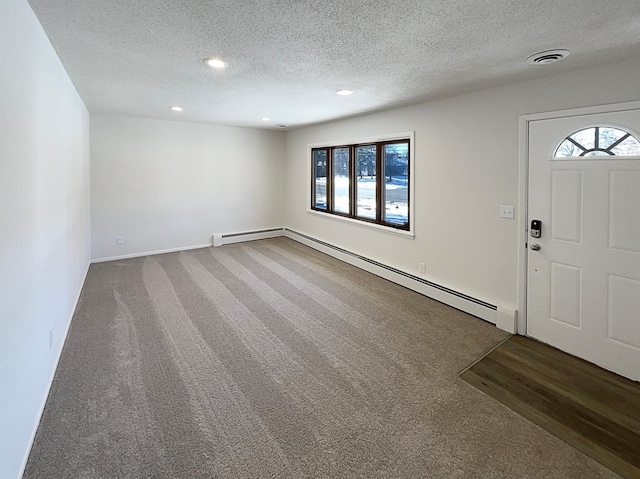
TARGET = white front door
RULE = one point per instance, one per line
(583, 282)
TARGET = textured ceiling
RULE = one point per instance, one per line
(288, 57)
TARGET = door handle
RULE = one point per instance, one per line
(535, 247)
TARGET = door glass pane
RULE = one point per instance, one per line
(586, 138)
(608, 136)
(630, 146)
(341, 180)
(599, 141)
(366, 181)
(568, 148)
(320, 178)
(396, 183)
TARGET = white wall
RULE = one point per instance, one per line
(165, 184)
(44, 222)
(466, 166)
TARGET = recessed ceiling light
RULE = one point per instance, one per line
(547, 57)
(344, 92)
(216, 63)
(176, 108)
(265, 119)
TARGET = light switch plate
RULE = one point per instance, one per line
(506, 211)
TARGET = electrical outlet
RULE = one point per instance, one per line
(119, 240)
(423, 268)
(50, 338)
(506, 212)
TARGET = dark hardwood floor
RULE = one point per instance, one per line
(594, 410)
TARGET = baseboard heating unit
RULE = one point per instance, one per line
(456, 299)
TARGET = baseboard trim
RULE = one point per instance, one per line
(217, 240)
(456, 299)
(464, 302)
(25, 459)
(149, 253)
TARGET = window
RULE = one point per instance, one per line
(341, 183)
(599, 141)
(367, 182)
(366, 187)
(320, 178)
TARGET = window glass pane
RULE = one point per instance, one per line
(396, 183)
(341, 180)
(568, 148)
(608, 136)
(320, 178)
(630, 147)
(366, 181)
(586, 138)
(610, 142)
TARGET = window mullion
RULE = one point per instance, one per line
(379, 182)
(352, 181)
(330, 180)
(313, 179)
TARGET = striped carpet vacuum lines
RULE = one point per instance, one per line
(270, 359)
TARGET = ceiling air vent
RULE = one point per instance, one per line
(550, 56)
(280, 125)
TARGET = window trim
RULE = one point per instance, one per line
(368, 223)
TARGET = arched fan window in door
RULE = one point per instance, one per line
(599, 141)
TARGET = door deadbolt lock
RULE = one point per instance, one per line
(536, 228)
(535, 247)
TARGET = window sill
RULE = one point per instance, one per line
(381, 228)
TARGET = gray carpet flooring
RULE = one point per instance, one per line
(270, 359)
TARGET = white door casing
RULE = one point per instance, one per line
(583, 285)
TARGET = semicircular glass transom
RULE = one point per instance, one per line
(599, 141)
